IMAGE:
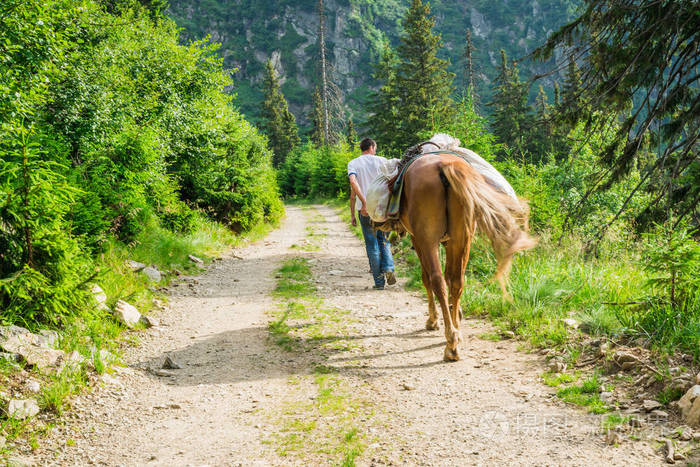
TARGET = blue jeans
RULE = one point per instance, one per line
(378, 251)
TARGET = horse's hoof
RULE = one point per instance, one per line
(451, 355)
(432, 325)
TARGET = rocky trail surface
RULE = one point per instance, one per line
(363, 383)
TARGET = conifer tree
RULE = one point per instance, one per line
(423, 84)
(278, 123)
(511, 113)
(317, 130)
(383, 105)
(351, 134)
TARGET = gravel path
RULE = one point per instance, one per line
(221, 408)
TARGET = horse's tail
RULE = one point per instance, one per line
(503, 219)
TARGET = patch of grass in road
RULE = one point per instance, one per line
(294, 279)
(586, 394)
(329, 427)
(613, 420)
(490, 336)
(557, 379)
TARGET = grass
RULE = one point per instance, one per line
(54, 396)
(294, 279)
(327, 429)
(669, 394)
(585, 394)
(614, 420)
(557, 379)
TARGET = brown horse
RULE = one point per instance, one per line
(444, 201)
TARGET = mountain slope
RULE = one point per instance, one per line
(286, 31)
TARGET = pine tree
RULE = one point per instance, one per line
(317, 131)
(510, 110)
(423, 84)
(351, 134)
(384, 104)
(278, 123)
(642, 55)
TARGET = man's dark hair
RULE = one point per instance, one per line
(366, 144)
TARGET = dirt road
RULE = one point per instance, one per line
(356, 379)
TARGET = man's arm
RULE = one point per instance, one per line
(358, 192)
(352, 206)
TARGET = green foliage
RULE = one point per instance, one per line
(111, 131)
(417, 85)
(312, 171)
(511, 113)
(638, 61)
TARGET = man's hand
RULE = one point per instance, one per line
(364, 212)
(354, 220)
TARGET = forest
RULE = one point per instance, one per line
(122, 141)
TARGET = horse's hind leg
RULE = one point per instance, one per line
(432, 324)
(430, 263)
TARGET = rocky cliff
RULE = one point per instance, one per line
(286, 31)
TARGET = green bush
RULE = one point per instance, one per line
(112, 131)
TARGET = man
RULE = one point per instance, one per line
(361, 171)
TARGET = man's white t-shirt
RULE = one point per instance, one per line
(366, 168)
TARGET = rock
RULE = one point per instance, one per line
(170, 364)
(650, 405)
(570, 323)
(127, 314)
(669, 451)
(100, 296)
(685, 433)
(152, 273)
(134, 265)
(33, 386)
(194, 259)
(47, 338)
(658, 415)
(73, 359)
(697, 379)
(603, 349)
(11, 357)
(336, 272)
(509, 334)
(636, 422)
(606, 396)
(150, 321)
(6, 332)
(613, 437)
(690, 406)
(163, 373)
(408, 387)
(22, 409)
(110, 380)
(41, 358)
(557, 366)
(625, 360)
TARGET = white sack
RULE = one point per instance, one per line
(378, 193)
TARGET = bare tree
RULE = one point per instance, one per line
(324, 71)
